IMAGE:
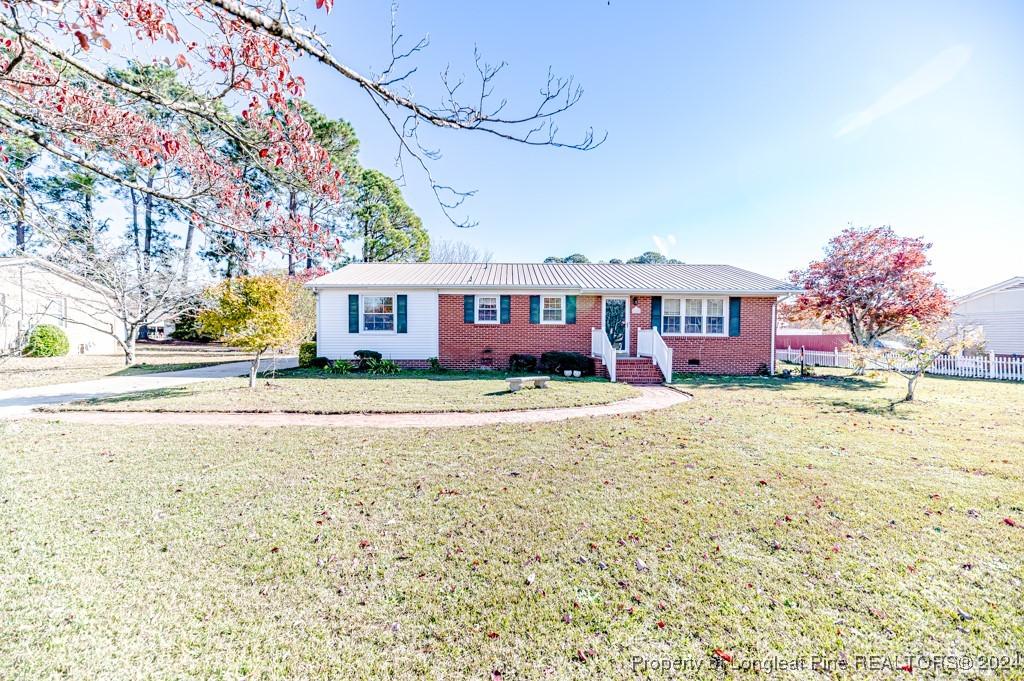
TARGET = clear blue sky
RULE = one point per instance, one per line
(747, 133)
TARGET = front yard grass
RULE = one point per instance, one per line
(316, 392)
(766, 519)
(32, 372)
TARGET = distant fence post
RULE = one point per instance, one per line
(835, 353)
(992, 373)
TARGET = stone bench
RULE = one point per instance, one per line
(515, 384)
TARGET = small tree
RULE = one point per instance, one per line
(925, 344)
(255, 314)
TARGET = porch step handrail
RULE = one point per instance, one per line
(601, 346)
(649, 343)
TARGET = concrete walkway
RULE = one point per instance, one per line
(22, 401)
(651, 397)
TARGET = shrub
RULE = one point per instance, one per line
(340, 367)
(320, 363)
(186, 328)
(519, 362)
(559, 362)
(382, 367)
(435, 366)
(307, 354)
(47, 340)
(365, 356)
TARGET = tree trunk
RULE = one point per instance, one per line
(189, 234)
(129, 348)
(293, 207)
(254, 369)
(19, 227)
(912, 386)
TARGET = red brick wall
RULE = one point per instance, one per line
(471, 346)
(740, 355)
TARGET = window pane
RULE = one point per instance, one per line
(693, 322)
(378, 313)
(551, 310)
(716, 315)
(671, 320)
(487, 310)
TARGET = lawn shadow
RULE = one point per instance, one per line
(779, 383)
(140, 396)
(423, 375)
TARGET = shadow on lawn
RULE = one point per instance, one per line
(155, 393)
(851, 383)
(421, 374)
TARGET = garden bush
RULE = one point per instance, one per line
(307, 354)
(518, 362)
(320, 363)
(340, 367)
(382, 367)
(436, 367)
(559, 362)
(365, 356)
(47, 340)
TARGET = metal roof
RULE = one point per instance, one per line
(590, 277)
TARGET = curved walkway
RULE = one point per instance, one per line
(651, 398)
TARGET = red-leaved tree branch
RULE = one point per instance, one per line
(58, 91)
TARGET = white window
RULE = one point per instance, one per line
(671, 321)
(552, 310)
(694, 322)
(486, 309)
(378, 313)
(715, 313)
(693, 316)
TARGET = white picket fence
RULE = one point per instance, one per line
(990, 366)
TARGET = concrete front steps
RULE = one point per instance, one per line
(632, 370)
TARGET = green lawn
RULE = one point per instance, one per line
(315, 392)
(31, 372)
(765, 518)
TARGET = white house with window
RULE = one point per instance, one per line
(33, 291)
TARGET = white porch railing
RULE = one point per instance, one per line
(601, 346)
(649, 343)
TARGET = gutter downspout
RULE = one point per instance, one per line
(775, 307)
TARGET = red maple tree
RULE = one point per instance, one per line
(873, 281)
(59, 92)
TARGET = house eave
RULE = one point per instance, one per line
(468, 288)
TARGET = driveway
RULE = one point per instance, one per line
(24, 400)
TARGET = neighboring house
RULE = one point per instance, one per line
(810, 339)
(716, 318)
(33, 291)
(998, 312)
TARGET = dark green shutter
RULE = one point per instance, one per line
(656, 313)
(570, 309)
(734, 316)
(535, 309)
(353, 313)
(401, 307)
(468, 309)
(506, 309)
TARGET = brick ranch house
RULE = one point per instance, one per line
(639, 322)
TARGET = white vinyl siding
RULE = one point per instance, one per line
(1000, 315)
(335, 342)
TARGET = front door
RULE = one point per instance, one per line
(616, 322)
